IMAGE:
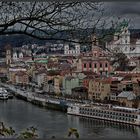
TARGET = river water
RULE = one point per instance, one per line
(20, 115)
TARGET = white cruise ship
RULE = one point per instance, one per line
(107, 112)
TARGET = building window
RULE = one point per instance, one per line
(95, 65)
(85, 65)
(90, 65)
(106, 65)
(100, 54)
(100, 65)
(8, 52)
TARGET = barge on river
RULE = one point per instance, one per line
(107, 112)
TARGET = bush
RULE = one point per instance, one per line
(29, 133)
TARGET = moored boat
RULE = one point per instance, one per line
(10, 96)
(107, 112)
(3, 94)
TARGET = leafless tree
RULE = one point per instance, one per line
(52, 20)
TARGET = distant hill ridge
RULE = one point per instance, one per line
(19, 40)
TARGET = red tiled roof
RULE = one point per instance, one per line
(89, 73)
(21, 73)
(104, 80)
(89, 77)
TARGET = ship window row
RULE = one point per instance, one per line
(109, 112)
(109, 116)
(113, 113)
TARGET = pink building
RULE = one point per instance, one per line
(97, 61)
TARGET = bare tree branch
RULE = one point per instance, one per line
(51, 20)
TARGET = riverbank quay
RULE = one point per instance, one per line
(40, 100)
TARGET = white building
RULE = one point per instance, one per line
(17, 55)
(20, 55)
(122, 43)
(73, 52)
(39, 77)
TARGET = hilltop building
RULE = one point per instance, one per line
(123, 43)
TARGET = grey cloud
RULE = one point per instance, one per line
(130, 10)
(123, 7)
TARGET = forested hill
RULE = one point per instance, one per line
(19, 40)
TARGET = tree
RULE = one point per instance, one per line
(73, 132)
(9, 132)
(122, 60)
(6, 131)
(54, 20)
(4, 79)
(29, 133)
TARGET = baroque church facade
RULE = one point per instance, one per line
(123, 43)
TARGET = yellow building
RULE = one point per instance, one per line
(12, 73)
(99, 89)
(3, 69)
(57, 84)
(21, 78)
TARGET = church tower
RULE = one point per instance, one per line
(8, 54)
(125, 35)
(122, 34)
(94, 40)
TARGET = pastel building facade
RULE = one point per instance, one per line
(72, 51)
(99, 89)
(122, 43)
(97, 61)
(17, 55)
(69, 83)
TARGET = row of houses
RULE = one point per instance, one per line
(70, 75)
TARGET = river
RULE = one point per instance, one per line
(20, 115)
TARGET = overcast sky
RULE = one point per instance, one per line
(130, 10)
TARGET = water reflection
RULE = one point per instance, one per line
(100, 128)
(20, 115)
